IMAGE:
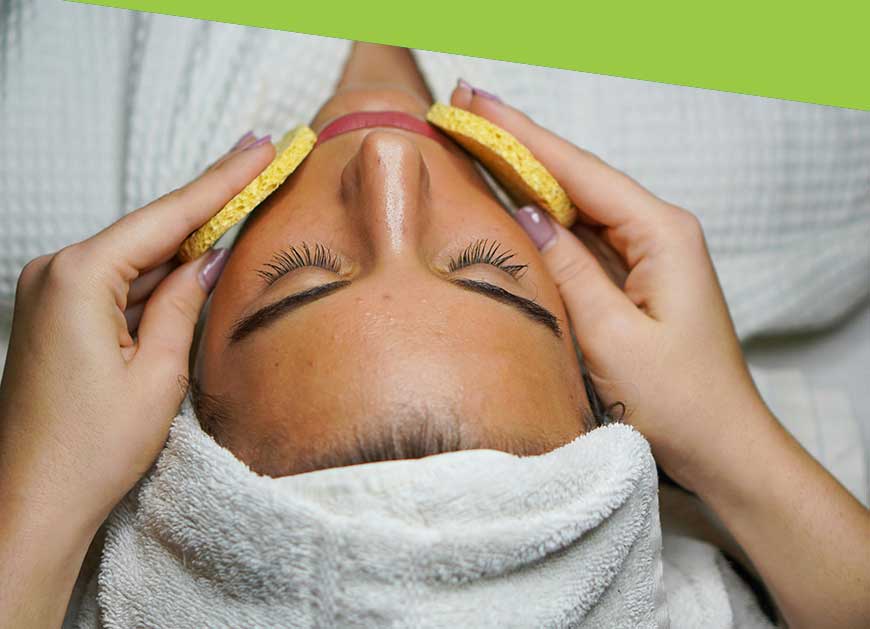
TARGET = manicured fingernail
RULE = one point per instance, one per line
(484, 94)
(476, 91)
(537, 224)
(244, 140)
(211, 271)
(260, 142)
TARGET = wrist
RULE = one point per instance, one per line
(46, 528)
(795, 522)
(44, 507)
(44, 478)
(735, 470)
(42, 548)
(729, 451)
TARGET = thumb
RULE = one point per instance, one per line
(171, 314)
(592, 299)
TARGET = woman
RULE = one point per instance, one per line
(385, 266)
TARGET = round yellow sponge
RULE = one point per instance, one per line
(289, 153)
(524, 178)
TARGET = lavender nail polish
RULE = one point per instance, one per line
(537, 224)
(212, 268)
(260, 142)
(476, 91)
(484, 94)
(243, 140)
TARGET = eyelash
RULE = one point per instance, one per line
(487, 252)
(297, 257)
(478, 252)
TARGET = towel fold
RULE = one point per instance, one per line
(477, 538)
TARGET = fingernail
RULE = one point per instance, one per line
(476, 91)
(260, 142)
(211, 271)
(245, 139)
(537, 224)
(484, 94)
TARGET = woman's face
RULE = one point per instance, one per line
(393, 318)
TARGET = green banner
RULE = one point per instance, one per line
(817, 52)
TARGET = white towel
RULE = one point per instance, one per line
(468, 539)
(781, 188)
(476, 538)
(702, 589)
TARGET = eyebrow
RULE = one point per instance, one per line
(527, 307)
(269, 314)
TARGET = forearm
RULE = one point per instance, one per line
(805, 534)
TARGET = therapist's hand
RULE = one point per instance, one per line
(656, 335)
(86, 402)
(651, 321)
(95, 373)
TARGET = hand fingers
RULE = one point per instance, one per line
(133, 315)
(143, 285)
(602, 193)
(170, 316)
(592, 299)
(151, 235)
(243, 142)
(607, 257)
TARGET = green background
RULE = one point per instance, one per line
(816, 52)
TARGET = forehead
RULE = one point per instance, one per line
(349, 361)
(363, 353)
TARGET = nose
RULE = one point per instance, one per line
(386, 186)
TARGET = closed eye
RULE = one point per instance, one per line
(487, 252)
(295, 257)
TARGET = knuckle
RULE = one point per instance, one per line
(687, 224)
(528, 118)
(177, 191)
(225, 179)
(32, 270)
(681, 231)
(228, 187)
(65, 266)
(615, 325)
(567, 267)
(185, 307)
(217, 180)
(177, 196)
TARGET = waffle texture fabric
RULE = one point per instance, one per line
(103, 110)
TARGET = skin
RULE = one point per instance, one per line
(396, 207)
(85, 406)
(661, 340)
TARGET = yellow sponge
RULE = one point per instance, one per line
(289, 153)
(524, 178)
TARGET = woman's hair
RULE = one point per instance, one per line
(411, 433)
